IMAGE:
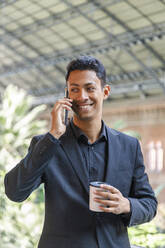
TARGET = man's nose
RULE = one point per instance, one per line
(83, 95)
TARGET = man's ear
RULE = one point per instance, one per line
(106, 90)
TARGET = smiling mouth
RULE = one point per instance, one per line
(83, 106)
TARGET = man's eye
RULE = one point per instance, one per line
(74, 90)
(91, 89)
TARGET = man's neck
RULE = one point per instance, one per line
(91, 128)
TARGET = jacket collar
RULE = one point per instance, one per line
(70, 145)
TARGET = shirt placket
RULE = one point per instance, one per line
(93, 172)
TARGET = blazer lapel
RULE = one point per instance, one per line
(113, 156)
(75, 157)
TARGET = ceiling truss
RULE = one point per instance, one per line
(145, 79)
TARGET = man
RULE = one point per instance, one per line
(67, 159)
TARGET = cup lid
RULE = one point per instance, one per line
(97, 184)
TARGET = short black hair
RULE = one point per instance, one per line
(86, 62)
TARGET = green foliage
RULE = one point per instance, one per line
(20, 222)
(147, 235)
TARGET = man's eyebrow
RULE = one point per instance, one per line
(87, 84)
(74, 84)
(93, 83)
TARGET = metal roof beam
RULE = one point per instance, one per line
(103, 45)
(30, 61)
(52, 20)
(133, 75)
(55, 59)
(145, 85)
(126, 49)
(5, 3)
(141, 36)
(144, 34)
(124, 25)
(122, 46)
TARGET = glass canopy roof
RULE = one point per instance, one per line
(39, 38)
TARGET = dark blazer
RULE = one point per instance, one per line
(59, 164)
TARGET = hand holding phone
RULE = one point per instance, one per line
(60, 116)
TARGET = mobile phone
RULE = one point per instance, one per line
(66, 111)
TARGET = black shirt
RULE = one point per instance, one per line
(95, 155)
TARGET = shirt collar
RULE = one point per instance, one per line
(81, 136)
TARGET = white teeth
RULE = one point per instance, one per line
(84, 106)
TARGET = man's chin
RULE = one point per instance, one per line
(83, 117)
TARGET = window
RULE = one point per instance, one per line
(155, 156)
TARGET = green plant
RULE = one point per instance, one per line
(147, 235)
(20, 222)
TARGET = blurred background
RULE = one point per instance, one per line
(37, 40)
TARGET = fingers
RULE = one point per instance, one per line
(57, 125)
(109, 188)
(106, 203)
(108, 192)
(109, 199)
(109, 209)
(65, 103)
(108, 206)
(60, 107)
(106, 195)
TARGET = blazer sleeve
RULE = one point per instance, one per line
(142, 198)
(26, 176)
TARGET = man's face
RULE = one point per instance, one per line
(87, 94)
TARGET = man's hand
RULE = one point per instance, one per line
(112, 200)
(57, 125)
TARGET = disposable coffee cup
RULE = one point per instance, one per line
(94, 206)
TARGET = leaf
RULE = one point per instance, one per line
(29, 117)
(18, 123)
